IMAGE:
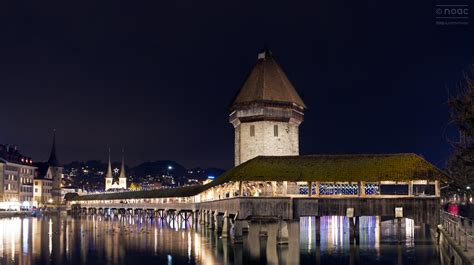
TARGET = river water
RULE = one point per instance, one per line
(95, 240)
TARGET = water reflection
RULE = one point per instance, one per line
(132, 240)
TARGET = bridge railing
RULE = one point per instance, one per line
(460, 228)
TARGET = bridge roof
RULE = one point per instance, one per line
(358, 167)
(329, 168)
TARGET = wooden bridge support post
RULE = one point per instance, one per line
(206, 217)
(399, 229)
(152, 213)
(166, 213)
(225, 225)
(357, 229)
(245, 226)
(354, 229)
(194, 217)
(202, 217)
(210, 220)
(218, 219)
(238, 238)
(178, 216)
(162, 214)
(317, 228)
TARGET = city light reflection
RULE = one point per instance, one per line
(50, 235)
(25, 234)
(29, 241)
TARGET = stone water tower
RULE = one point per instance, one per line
(266, 112)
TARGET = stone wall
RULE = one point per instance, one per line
(264, 141)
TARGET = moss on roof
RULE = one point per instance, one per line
(329, 168)
(365, 167)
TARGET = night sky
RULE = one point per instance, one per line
(157, 79)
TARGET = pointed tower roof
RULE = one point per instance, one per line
(109, 168)
(122, 170)
(267, 82)
(53, 159)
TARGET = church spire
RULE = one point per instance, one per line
(109, 168)
(53, 159)
(122, 170)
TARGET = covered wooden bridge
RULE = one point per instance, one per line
(285, 188)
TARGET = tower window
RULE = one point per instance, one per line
(275, 130)
(252, 130)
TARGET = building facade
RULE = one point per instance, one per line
(43, 184)
(16, 179)
(266, 112)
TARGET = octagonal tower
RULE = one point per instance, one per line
(266, 112)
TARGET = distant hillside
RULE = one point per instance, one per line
(90, 174)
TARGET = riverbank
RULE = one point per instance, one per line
(14, 214)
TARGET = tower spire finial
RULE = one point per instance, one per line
(264, 53)
(122, 169)
(109, 168)
(53, 159)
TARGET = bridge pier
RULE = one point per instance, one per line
(201, 218)
(245, 226)
(166, 213)
(208, 218)
(238, 237)
(294, 242)
(160, 214)
(354, 230)
(214, 220)
(254, 237)
(282, 232)
(263, 230)
(225, 225)
(170, 214)
(194, 217)
(218, 221)
(205, 218)
(178, 216)
(399, 229)
(317, 228)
